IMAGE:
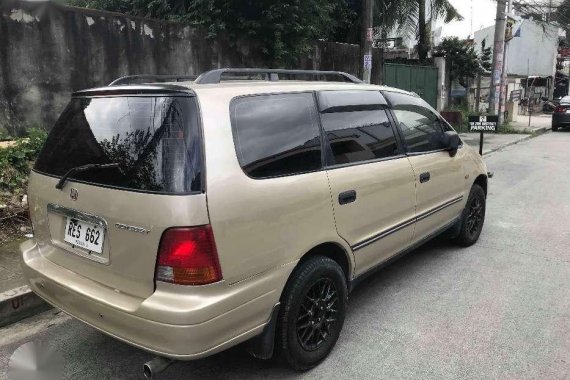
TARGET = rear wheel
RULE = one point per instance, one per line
(472, 218)
(554, 128)
(312, 312)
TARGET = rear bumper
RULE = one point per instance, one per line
(171, 322)
(561, 119)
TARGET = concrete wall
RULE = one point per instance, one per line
(48, 51)
(533, 52)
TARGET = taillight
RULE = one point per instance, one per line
(188, 256)
(559, 109)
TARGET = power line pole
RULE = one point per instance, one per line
(504, 74)
(498, 50)
(366, 40)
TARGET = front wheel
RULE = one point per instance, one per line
(312, 312)
(472, 218)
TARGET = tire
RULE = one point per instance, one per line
(554, 128)
(303, 344)
(472, 218)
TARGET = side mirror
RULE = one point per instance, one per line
(451, 142)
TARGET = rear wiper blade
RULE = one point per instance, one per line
(83, 168)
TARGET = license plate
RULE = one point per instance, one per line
(84, 235)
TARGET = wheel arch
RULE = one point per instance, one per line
(481, 180)
(335, 252)
(263, 346)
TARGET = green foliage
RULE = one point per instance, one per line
(486, 57)
(16, 161)
(408, 18)
(285, 29)
(462, 58)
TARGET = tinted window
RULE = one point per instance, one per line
(420, 126)
(276, 135)
(155, 140)
(359, 136)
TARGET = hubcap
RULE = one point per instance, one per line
(317, 314)
(475, 216)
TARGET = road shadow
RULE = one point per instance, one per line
(237, 363)
(92, 354)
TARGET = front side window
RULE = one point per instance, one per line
(357, 136)
(276, 135)
(420, 126)
(155, 140)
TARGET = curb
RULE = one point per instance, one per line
(535, 133)
(20, 303)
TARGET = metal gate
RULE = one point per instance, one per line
(419, 79)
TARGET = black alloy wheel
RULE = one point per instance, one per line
(472, 218)
(475, 216)
(319, 311)
(312, 311)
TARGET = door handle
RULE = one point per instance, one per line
(424, 177)
(347, 197)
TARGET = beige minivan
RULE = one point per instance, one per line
(186, 217)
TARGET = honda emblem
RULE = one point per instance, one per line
(73, 194)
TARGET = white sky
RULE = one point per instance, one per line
(479, 13)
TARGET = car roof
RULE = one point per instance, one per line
(235, 87)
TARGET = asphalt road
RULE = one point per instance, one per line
(497, 310)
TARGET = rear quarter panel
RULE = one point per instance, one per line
(258, 224)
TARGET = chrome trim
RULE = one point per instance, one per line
(77, 214)
(438, 208)
(383, 234)
(100, 258)
(405, 224)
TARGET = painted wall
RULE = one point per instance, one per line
(47, 51)
(533, 52)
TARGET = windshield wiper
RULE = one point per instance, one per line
(83, 168)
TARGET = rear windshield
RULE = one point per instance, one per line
(155, 140)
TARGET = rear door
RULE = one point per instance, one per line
(371, 180)
(105, 224)
(440, 180)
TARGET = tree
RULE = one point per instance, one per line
(410, 18)
(486, 57)
(562, 16)
(284, 29)
(463, 61)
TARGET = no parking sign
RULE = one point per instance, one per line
(483, 124)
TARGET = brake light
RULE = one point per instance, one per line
(188, 256)
(559, 109)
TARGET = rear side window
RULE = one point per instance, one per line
(276, 135)
(421, 128)
(356, 126)
(155, 140)
(359, 136)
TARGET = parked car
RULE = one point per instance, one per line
(561, 115)
(185, 218)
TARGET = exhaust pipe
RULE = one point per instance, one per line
(155, 366)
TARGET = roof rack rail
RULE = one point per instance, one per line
(215, 76)
(138, 79)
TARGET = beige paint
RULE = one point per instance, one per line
(262, 228)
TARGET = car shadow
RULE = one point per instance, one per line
(235, 362)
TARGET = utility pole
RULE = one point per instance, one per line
(504, 74)
(366, 40)
(498, 50)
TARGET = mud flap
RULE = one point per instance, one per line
(261, 347)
